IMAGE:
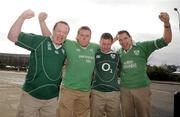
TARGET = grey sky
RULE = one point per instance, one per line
(139, 17)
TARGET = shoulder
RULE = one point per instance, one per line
(68, 41)
(98, 51)
(158, 43)
(94, 46)
(31, 34)
(119, 51)
(31, 37)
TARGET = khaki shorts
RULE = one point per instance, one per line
(33, 107)
(73, 103)
(108, 102)
(136, 102)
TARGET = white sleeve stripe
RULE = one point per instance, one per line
(29, 46)
(26, 45)
(155, 43)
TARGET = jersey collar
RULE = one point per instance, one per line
(55, 45)
(133, 44)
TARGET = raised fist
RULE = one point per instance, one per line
(28, 14)
(164, 17)
(42, 16)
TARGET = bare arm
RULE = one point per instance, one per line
(164, 17)
(115, 38)
(44, 29)
(16, 27)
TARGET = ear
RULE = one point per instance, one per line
(131, 38)
(100, 41)
(77, 38)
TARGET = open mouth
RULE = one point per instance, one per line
(59, 40)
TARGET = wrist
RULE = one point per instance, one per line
(167, 25)
(41, 20)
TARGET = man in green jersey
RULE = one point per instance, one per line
(135, 90)
(76, 84)
(105, 94)
(41, 87)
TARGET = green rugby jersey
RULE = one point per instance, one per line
(133, 72)
(80, 65)
(45, 65)
(105, 73)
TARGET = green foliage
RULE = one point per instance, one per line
(163, 73)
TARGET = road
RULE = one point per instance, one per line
(163, 99)
(10, 83)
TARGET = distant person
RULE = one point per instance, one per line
(41, 87)
(135, 90)
(105, 94)
(76, 84)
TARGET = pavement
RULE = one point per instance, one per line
(9, 99)
(10, 91)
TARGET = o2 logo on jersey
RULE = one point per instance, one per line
(106, 67)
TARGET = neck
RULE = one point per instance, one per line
(105, 52)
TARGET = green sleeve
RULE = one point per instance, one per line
(150, 46)
(29, 41)
(96, 46)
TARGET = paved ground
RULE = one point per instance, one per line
(163, 99)
(10, 90)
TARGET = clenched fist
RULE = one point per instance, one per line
(27, 14)
(42, 16)
(164, 17)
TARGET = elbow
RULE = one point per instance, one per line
(9, 36)
(12, 37)
(168, 40)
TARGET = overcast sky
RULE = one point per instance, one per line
(139, 17)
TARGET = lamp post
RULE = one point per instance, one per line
(178, 16)
(177, 93)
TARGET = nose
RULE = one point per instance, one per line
(120, 42)
(60, 33)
